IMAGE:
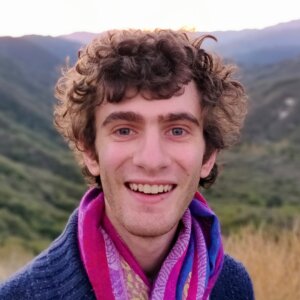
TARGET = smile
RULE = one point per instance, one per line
(151, 189)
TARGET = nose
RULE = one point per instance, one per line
(151, 153)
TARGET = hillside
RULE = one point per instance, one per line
(260, 180)
(38, 178)
(40, 183)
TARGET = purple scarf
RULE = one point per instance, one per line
(189, 271)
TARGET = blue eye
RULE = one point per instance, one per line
(123, 131)
(177, 131)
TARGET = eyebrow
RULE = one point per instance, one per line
(124, 116)
(137, 118)
(180, 117)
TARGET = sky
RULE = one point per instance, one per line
(58, 17)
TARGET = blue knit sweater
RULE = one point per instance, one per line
(58, 273)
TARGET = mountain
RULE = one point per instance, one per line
(82, 37)
(260, 47)
(248, 48)
(40, 184)
(259, 182)
(275, 102)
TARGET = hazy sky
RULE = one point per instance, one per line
(55, 17)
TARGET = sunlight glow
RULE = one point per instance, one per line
(58, 17)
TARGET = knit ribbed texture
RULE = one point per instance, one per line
(233, 283)
(58, 273)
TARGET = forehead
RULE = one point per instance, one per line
(188, 102)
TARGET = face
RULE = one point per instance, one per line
(150, 160)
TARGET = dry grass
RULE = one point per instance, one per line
(273, 261)
(12, 257)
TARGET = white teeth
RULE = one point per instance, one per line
(154, 189)
(147, 189)
(140, 187)
(150, 189)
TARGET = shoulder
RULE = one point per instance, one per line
(57, 273)
(17, 286)
(234, 282)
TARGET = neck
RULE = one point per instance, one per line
(150, 252)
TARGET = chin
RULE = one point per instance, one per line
(150, 230)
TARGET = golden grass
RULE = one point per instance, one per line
(273, 261)
(12, 257)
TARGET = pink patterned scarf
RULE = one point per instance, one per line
(189, 271)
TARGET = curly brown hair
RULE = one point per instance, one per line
(157, 64)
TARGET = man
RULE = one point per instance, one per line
(146, 114)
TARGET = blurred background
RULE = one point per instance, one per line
(257, 196)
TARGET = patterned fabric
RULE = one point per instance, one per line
(189, 271)
(136, 288)
(126, 283)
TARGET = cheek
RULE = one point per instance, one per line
(112, 157)
(189, 159)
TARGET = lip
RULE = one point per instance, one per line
(150, 182)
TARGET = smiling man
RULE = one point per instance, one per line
(146, 114)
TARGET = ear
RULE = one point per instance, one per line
(208, 165)
(91, 162)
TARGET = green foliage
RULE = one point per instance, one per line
(39, 182)
(258, 184)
